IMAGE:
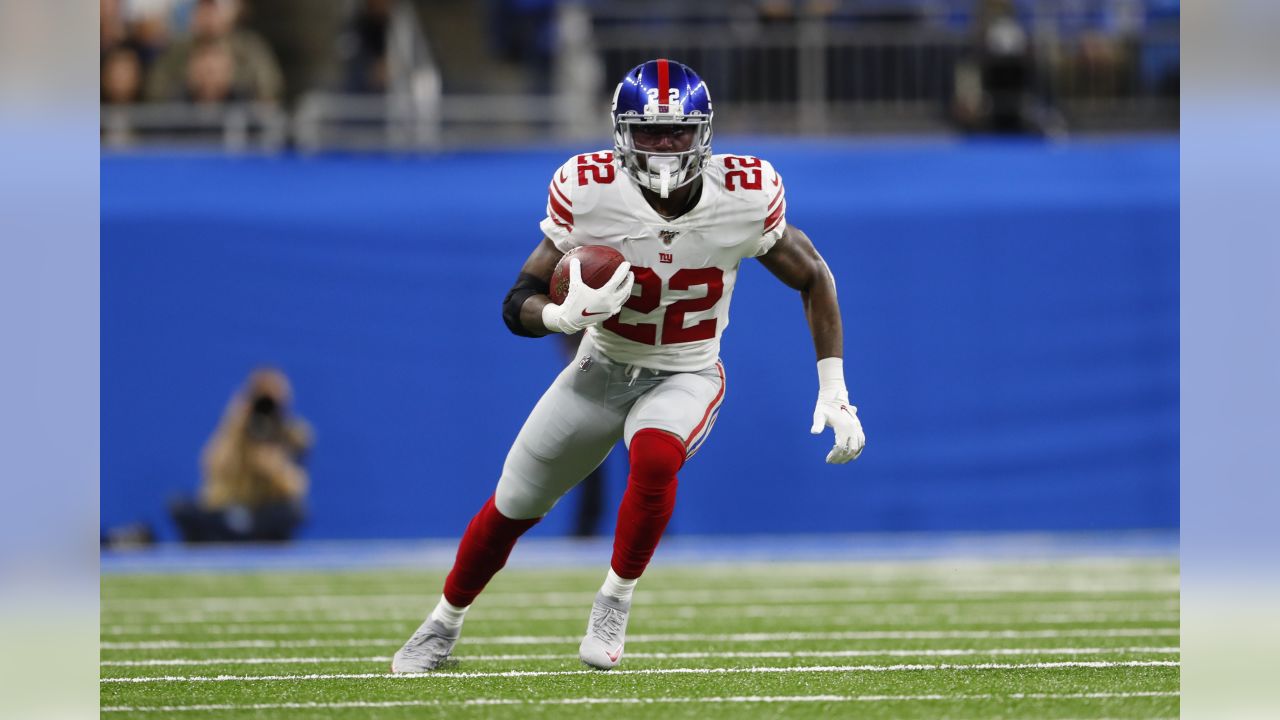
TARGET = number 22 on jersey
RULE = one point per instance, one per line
(673, 329)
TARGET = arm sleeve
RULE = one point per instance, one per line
(558, 224)
(775, 213)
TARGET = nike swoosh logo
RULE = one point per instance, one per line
(613, 656)
(775, 181)
(562, 177)
(589, 314)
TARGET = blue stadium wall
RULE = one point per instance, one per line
(1011, 334)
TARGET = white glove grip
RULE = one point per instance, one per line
(833, 410)
(585, 305)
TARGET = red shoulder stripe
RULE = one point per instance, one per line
(776, 196)
(561, 223)
(560, 194)
(776, 216)
(558, 209)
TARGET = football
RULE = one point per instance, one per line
(598, 264)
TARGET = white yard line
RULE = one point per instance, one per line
(771, 699)
(674, 619)
(944, 652)
(648, 671)
(667, 638)
(537, 612)
(304, 601)
(795, 602)
(923, 568)
(1082, 568)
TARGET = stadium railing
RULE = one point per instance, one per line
(235, 127)
(882, 67)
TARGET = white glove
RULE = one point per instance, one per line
(833, 410)
(584, 305)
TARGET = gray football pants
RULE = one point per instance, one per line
(592, 403)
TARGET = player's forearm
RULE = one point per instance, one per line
(823, 313)
(796, 262)
(531, 314)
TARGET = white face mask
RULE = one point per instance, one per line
(664, 167)
(663, 172)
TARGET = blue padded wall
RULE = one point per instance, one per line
(1010, 308)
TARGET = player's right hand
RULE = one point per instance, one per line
(584, 305)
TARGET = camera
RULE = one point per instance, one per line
(266, 420)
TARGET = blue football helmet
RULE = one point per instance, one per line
(662, 92)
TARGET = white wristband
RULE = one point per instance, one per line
(831, 375)
(551, 317)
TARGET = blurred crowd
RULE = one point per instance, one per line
(210, 52)
(990, 65)
(184, 50)
(1005, 66)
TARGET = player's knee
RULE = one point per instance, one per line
(519, 502)
(656, 456)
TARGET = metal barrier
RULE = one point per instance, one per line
(406, 117)
(236, 127)
(889, 66)
(873, 66)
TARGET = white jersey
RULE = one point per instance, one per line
(684, 268)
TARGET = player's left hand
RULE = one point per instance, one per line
(835, 411)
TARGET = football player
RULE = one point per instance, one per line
(648, 369)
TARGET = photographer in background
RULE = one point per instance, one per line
(254, 486)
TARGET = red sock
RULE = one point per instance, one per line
(647, 504)
(482, 552)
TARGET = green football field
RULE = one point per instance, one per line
(1065, 638)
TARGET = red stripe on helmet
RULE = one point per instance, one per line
(664, 82)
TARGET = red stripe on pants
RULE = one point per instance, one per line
(715, 402)
(482, 552)
(649, 500)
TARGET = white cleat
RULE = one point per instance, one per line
(606, 633)
(427, 649)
